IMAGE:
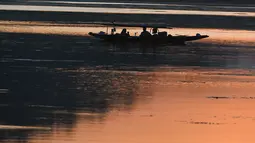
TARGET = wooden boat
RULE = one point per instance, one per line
(156, 38)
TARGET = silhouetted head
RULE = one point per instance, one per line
(155, 30)
(144, 28)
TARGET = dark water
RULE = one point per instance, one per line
(49, 84)
(60, 88)
(33, 87)
(185, 15)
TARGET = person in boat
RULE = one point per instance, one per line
(145, 38)
(145, 33)
(155, 31)
(124, 32)
(113, 30)
(198, 34)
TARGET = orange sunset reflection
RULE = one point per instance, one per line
(179, 110)
(216, 35)
(61, 83)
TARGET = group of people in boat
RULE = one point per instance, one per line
(144, 33)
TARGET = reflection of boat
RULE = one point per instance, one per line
(156, 38)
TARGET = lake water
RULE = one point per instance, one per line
(58, 85)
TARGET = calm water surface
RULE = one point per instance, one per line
(160, 104)
(53, 93)
(70, 88)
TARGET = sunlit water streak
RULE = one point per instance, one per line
(105, 3)
(121, 10)
(11, 127)
(149, 4)
(235, 37)
(155, 5)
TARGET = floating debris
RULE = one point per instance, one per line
(219, 97)
(201, 122)
(225, 97)
(247, 97)
(206, 123)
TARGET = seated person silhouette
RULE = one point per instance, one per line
(145, 33)
(124, 32)
(113, 30)
(198, 35)
(155, 31)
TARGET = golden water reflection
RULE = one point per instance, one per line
(216, 35)
(105, 3)
(179, 110)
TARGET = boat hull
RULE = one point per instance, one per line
(158, 40)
